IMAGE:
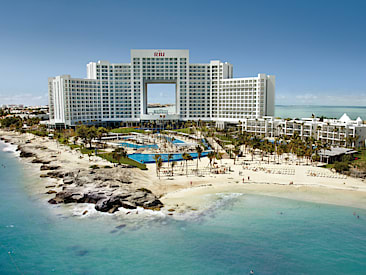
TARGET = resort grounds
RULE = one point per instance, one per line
(184, 184)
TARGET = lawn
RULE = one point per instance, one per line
(225, 138)
(126, 130)
(184, 130)
(128, 161)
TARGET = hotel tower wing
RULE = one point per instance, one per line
(117, 92)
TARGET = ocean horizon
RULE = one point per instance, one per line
(239, 233)
(304, 111)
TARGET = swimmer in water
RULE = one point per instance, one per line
(251, 272)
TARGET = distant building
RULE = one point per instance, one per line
(117, 92)
(331, 131)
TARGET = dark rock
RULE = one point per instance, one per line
(49, 167)
(68, 180)
(128, 205)
(51, 192)
(120, 226)
(37, 160)
(50, 186)
(103, 190)
(55, 174)
(26, 154)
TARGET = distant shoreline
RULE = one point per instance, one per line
(158, 105)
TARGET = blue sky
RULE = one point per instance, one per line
(316, 49)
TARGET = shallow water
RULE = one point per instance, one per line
(269, 235)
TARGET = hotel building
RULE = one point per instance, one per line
(335, 132)
(117, 92)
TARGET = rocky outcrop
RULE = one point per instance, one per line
(49, 167)
(107, 192)
(37, 160)
(25, 152)
(108, 202)
(108, 188)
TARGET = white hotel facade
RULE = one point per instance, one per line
(117, 92)
(334, 132)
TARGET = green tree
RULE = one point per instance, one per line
(101, 131)
(91, 134)
(186, 157)
(159, 163)
(199, 153)
(82, 133)
(211, 156)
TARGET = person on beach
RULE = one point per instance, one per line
(243, 180)
(248, 178)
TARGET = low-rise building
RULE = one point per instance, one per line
(340, 132)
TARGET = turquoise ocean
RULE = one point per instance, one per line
(267, 234)
(301, 111)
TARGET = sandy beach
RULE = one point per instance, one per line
(182, 193)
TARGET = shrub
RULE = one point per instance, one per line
(341, 167)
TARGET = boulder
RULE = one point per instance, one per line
(49, 167)
(26, 154)
(37, 160)
(55, 174)
(68, 180)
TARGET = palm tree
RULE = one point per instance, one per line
(119, 153)
(91, 134)
(75, 139)
(158, 162)
(236, 152)
(172, 166)
(186, 157)
(199, 153)
(211, 156)
(170, 157)
(219, 156)
(100, 133)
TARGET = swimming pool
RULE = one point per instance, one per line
(175, 141)
(149, 158)
(138, 146)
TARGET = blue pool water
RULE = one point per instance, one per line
(245, 232)
(138, 146)
(175, 141)
(149, 158)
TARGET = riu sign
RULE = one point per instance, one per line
(159, 53)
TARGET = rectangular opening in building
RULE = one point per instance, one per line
(161, 98)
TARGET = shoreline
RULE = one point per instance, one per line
(179, 198)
